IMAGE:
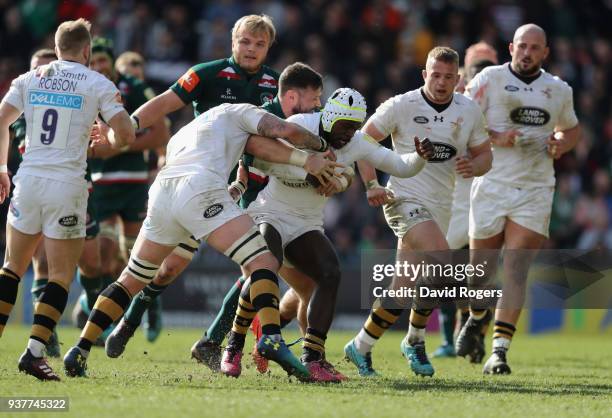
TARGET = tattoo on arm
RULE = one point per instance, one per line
(274, 127)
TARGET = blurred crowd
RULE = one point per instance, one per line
(377, 47)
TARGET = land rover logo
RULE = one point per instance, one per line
(510, 87)
(531, 116)
(420, 119)
(71, 220)
(213, 210)
(443, 152)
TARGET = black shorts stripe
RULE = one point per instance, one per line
(141, 266)
(261, 250)
(243, 243)
(135, 273)
(45, 321)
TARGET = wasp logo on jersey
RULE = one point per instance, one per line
(444, 152)
(420, 119)
(531, 116)
(510, 87)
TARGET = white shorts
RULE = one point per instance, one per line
(182, 206)
(288, 226)
(55, 208)
(457, 235)
(493, 202)
(404, 214)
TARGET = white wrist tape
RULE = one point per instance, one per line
(298, 158)
(3, 168)
(344, 182)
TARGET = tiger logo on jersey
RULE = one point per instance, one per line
(189, 81)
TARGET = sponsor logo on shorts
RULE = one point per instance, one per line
(420, 119)
(213, 210)
(68, 221)
(532, 116)
(443, 152)
(510, 87)
(14, 210)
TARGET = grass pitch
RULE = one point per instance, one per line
(553, 376)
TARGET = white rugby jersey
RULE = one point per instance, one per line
(290, 193)
(534, 108)
(452, 131)
(60, 102)
(212, 143)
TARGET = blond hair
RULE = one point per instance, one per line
(444, 54)
(72, 35)
(255, 24)
(128, 58)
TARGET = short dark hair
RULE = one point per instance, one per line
(44, 53)
(299, 76)
(444, 54)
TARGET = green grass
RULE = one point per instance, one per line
(553, 376)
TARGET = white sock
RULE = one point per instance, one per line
(415, 335)
(36, 347)
(501, 343)
(363, 342)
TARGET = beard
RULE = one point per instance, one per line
(525, 69)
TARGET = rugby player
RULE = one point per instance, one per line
(61, 101)
(420, 212)
(289, 212)
(241, 78)
(299, 92)
(190, 197)
(121, 183)
(39, 260)
(531, 119)
(477, 57)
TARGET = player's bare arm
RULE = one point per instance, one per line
(377, 195)
(274, 127)
(477, 163)
(122, 132)
(8, 115)
(563, 141)
(155, 109)
(276, 152)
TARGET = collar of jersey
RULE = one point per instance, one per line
(244, 74)
(525, 79)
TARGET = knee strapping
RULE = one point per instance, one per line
(247, 247)
(141, 270)
(187, 249)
